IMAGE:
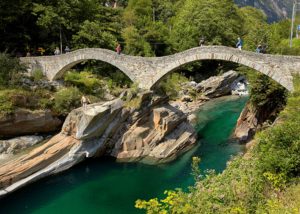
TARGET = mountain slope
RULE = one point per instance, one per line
(275, 9)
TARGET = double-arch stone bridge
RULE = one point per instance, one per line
(147, 71)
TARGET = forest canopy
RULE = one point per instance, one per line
(143, 27)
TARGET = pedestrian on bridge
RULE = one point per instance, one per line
(57, 51)
(118, 48)
(67, 49)
(239, 44)
(201, 41)
(258, 49)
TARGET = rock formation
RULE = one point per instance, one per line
(247, 124)
(156, 137)
(218, 85)
(155, 133)
(26, 122)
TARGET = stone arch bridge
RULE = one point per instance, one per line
(147, 71)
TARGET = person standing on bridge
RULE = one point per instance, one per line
(258, 49)
(67, 49)
(201, 41)
(118, 49)
(239, 44)
(57, 51)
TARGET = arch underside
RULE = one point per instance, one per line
(62, 70)
(262, 68)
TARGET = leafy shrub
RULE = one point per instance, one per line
(86, 81)
(10, 70)
(134, 103)
(172, 85)
(37, 75)
(66, 100)
(6, 105)
(266, 95)
(46, 103)
(12, 98)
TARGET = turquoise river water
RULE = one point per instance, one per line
(103, 186)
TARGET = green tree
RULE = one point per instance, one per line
(10, 69)
(144, 30)
(255, 27)
(84, 21)
(217, 20)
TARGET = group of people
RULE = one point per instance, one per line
(57, 51)
(239, 45)
(259, 49)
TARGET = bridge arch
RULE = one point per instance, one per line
(54, 67)
(258, 62)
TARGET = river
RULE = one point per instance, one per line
(103, 186)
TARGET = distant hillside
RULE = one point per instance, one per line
(275, 9)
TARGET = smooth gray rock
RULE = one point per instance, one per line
(15, 145)
(218, 85)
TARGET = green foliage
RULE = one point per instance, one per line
(134, 103)
(37, 75)
(14, 98)
(6, 105)
(191, 24)
(133, 99)
(66, 100)
(255, 27)
(145, 30)
(171, 85)
(196, 173)
(173, 203)
(287, 201)
(95, 34)
(86, 81)
(266, 95)
(10, 70)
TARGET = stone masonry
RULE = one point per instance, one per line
(147, 71)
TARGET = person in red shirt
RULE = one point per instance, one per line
(118, 48)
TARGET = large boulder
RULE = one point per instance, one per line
(156, 137)
(27, 122)
(218, 85)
